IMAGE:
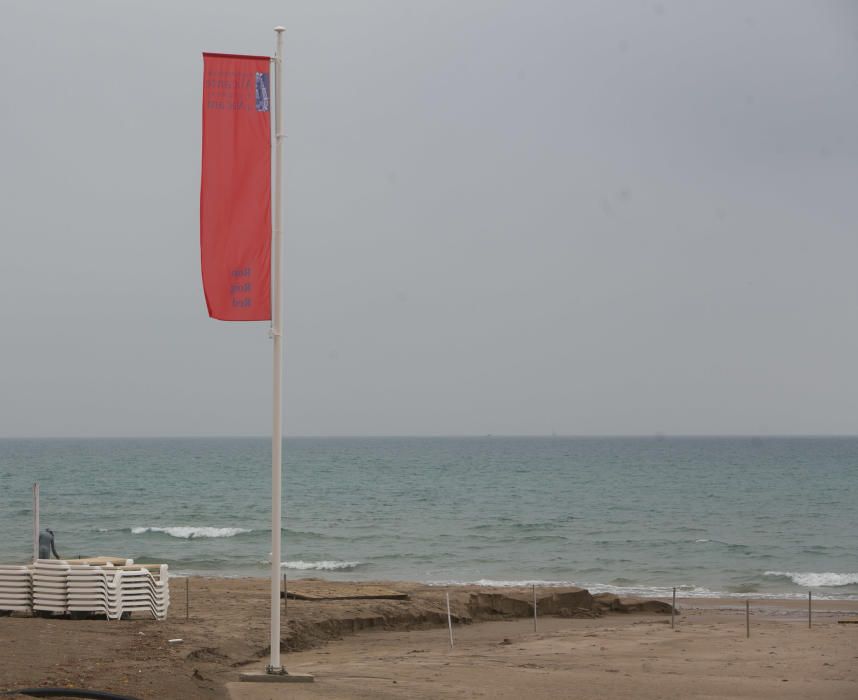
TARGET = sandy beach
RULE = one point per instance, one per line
(401, 648)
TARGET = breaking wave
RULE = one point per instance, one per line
(321, 565)
(811, 579)
(189, 533)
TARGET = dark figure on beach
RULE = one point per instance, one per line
(46, 544)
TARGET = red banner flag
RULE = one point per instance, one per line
(235, 188)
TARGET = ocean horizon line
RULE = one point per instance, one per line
(452, 436)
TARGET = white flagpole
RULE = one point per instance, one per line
(276, 333)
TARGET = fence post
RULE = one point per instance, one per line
(673, 608)
(449, 620)
(534, 607)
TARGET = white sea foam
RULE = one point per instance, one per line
(651, 591)
(663, 592)
(320, 565)
(503, 583)
(812, 579)
(188, 533)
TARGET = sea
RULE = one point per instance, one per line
(731, 516)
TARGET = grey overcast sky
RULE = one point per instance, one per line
(502, 217)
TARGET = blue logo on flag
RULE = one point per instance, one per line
(262, 92)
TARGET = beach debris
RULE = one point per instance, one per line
(580, 613)
(568, 602)
(613, 603)
(174, 641)
(318, 589)
(491, 604)
(577, 599)
(209, 654)
(515, 602)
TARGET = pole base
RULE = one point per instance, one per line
(275, 676)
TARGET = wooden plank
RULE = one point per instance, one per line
(333, 590)
(98, 561)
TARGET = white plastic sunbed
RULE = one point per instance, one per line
(16, 588)
(58, 586)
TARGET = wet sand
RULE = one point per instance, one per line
(400, 649)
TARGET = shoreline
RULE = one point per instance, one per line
(658, 592)
(226, 630)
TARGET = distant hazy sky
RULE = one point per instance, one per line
(501, 217)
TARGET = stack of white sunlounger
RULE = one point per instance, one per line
(50, 585)
(95, 586)
(16, 588)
